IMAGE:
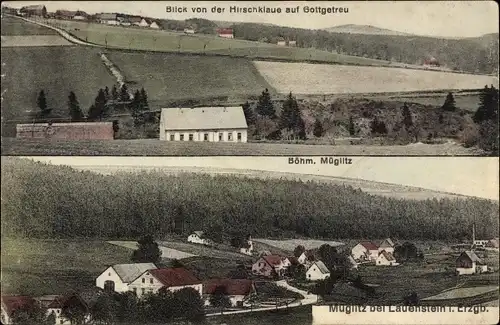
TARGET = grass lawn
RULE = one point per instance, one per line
(16, 27)
(222, 251)
(57, 71)
(170, 77)
(37, 267)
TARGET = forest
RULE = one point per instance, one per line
(47, 201)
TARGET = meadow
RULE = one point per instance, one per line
(154, 147)
(172, 77)
(57, 70)
(305, 78)
(52, 266)
(169, 41)
(34, 40)
(17, 27)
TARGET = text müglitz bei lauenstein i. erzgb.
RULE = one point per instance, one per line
(259, 10)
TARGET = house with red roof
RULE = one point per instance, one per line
(365, 251)
(238, 290)
(173, 279)
(225, 32)
(13, 304)
(269, 266)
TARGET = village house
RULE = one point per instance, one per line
(118, 277)
(172, 279)
(209, 124)
(306, 257)
(269, 266)
(80, 15)
(143, 23)
(385, 259)
(13, 304)
(197, 237)
(247, 248)
(189, 30)
(469, 263)
(317, 271)
(281, 41)
(225, 32)
(386, 245)
(35, 10)
(154, 25)
(108, 19)
(237, 290)
(135, 20)
(365, 251)
(54, 305)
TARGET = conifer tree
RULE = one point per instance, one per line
(488, 105)
(124, 95)
(407, 118)
(449, 103)
(144, 99)
(114, 93)
(75, 112)
(41, 102)
(265, 105)
(249, 115)
(318, 128)
(351, 128)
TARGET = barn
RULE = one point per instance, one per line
(36, 10)
(210, 124)
(67, 131)
(225, 32)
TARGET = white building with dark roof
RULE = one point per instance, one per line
(119, 276)
(317, 271)
(209, 124)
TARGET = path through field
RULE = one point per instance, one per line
(169, 253)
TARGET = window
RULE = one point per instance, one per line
(143, 291)
(221, 136)
(143, 280)
(239, 136)
(134, 290)
(109, 273)
(151, 280)
(205, 137)
(182, 137)
(230, 136)
(58, 311)
(190, 137)
(172, 137)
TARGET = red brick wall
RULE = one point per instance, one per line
(67, 131)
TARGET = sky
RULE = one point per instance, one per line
(430, 18)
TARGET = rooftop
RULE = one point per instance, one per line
(203, 118)
(130, 272)
(173, 277)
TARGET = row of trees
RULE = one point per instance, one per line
(104, 101)
(48, 201)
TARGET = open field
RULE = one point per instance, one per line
(290, 244)
(200, 250)
(43, 266)
(304, 78)
(171, 77)
(462, 293)
(17, 27)
(168, 253)
(34, 40)
(469, 102)
(56, 70)
(169, 41)
(153, 147)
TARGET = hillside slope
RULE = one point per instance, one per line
(363, 29)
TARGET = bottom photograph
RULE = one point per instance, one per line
(204, 240)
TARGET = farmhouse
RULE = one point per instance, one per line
(238, 290)
(212, 124)
(12, 304)
(55, 304)
(197, 237)
(365, 251)
(36, 10)
(108, 19)
(172, 279)
(225, 32)
(118, 277)
(387, 245)
(269, 266)
(317, 271)
(469, 263)
(68, 131)
(385, 258)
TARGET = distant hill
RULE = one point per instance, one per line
(364, 29)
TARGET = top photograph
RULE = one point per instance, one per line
(269, 78)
